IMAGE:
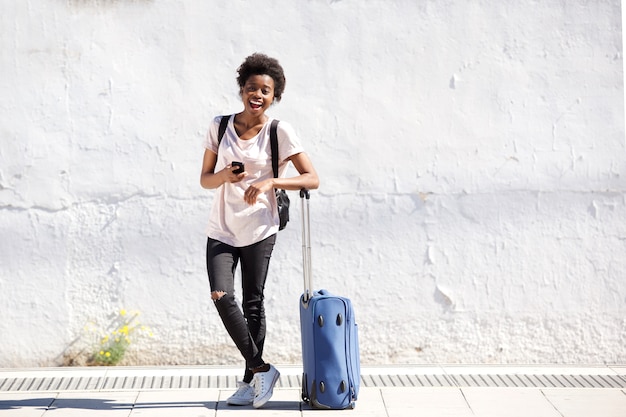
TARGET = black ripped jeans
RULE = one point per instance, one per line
(247, 327)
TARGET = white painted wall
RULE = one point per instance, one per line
(472, 158)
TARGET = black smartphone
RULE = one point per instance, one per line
(239, 166)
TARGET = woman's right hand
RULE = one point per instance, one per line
(210, 179)
(229, 176)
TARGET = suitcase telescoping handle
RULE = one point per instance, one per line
(305, 196)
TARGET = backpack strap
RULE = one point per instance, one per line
(274, 146)
(222, 130)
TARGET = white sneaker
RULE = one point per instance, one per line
(243, 396)
(264, 386)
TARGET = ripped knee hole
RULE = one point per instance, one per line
(218, 295)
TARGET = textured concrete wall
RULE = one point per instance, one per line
(472, 158)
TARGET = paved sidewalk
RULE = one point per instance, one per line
(403, 391)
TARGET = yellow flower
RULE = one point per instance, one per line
(124, 330)
(108, 354)
(102, 352)
(123, 312)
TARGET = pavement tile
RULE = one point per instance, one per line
(527, 370)
(83, 404)
(402, 370)
(310, 412)
(425, 402)
(509, 402)
(75, 372)
(181, 403)
(370, 402)
(25, 405)
(588, 402)
(619, 369)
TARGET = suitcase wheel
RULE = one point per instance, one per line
(305, 394)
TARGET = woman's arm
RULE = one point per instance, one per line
(210, 179)
(307, 179)
(308, 176)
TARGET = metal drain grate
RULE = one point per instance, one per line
(160, 382)
(539, 381)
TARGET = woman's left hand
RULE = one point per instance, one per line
(257, 189)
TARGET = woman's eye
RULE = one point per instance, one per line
(252, 89)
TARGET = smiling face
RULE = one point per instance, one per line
(257, 94)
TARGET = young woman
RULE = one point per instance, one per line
(244, 218)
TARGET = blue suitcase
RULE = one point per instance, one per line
(330, 345)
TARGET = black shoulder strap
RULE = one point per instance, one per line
(223, 126)
(274, 146)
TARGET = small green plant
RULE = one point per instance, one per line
(123, 329)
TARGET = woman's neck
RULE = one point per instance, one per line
(247, 121)
(248, 127)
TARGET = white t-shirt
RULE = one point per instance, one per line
(232, 220)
